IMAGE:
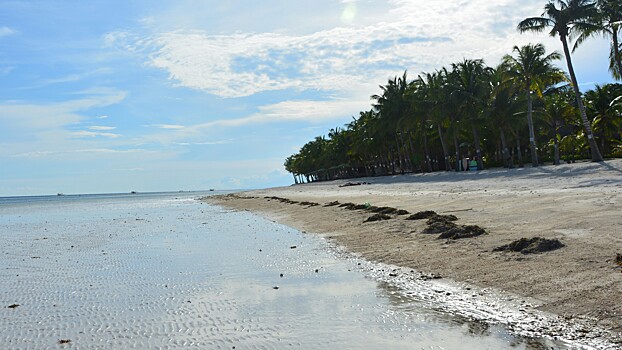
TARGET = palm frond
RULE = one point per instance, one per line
(534, 24)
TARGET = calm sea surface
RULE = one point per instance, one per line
(165, 271)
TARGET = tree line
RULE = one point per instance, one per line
(524, 109)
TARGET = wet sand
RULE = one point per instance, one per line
(162, 272)
(577, 204)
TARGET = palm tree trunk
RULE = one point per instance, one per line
(426, 150)
(412, 152)
(458, 160)
(555, 143)
(556, 149)
(519, 153)
(399, 154)
(478, 148)
(405, 155)
(617, 56)
(507, 158)
(596, 156)
(445, 154)
(532, 136)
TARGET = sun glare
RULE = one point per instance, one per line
(349, 13)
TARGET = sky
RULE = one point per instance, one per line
(139, 95)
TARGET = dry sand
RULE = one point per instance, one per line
(578, 204)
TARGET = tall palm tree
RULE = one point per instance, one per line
(608, 24)
(611, 14)
(471, 90)
(533, 71)
(423, 102)
(441, 110)
(504, 105)
(572, 18)
(393, 105)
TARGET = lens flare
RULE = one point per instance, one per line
(349, 13)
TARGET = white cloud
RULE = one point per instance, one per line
(6, 31)
(204, 143)
(39, 154)
(103, 117)
(31, 117)
(101, 128)
(309, 110)
(419, 35)
(84, 133)
(166, 126)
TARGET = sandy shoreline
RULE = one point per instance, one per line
(578, 204)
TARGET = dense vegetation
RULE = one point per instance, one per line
(523, 110)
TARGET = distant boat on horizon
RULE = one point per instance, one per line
(133, 192)
(59, 194)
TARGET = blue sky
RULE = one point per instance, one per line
(114, 96)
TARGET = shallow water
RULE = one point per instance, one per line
(165, 271)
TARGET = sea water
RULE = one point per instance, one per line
(166, 271)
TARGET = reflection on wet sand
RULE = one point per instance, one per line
(153, 272)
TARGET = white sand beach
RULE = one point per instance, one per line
(578, 204)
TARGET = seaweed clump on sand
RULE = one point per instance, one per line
(441, 218)
(531, 245)
(435, 227)
(332, 204)
(384, 210)
(377, 217)
(282, 200)
(426, 214)
(463, 231)
(310, 204)
(446, 228)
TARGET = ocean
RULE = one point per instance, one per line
(167, 271)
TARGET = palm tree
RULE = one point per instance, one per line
(572, 18)
(556, 111)
(611, 14)
(608, 24)
(533, 71)
(603, 103)
(503, 108)
(393, 105)
(471, 90)
(422, 101)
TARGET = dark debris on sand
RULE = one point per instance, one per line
(444, 226)
(282, 200)
(531, 245)
(310, 204)
(378, 217)
(441, 218)
(348, 184)
(463, 231)
(422, 215)
(438, 227)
